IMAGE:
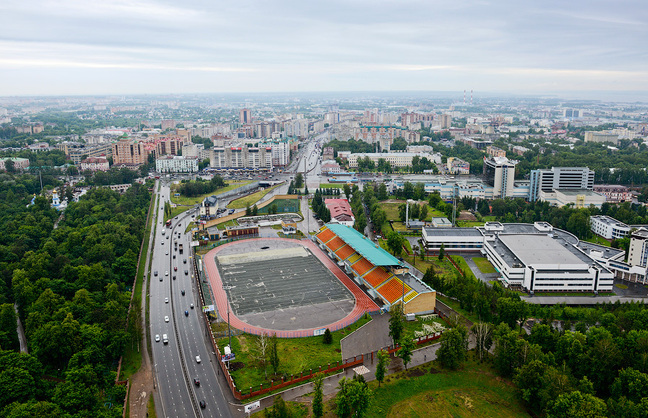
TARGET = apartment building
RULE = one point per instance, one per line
(128, 152)
(176, 164)
(241, 158)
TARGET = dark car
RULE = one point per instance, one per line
(174, 277)
(184, 261)
(186, 272)
(186, 313)
(196, 382)
(183, 292)
(203, 405)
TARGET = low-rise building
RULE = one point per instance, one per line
(608, 228)
(18, 163)
(578, 198)
(176, 164)
(457, 166)
(340, 211)
(395, 159)
(614, 192)
(95, 164)
(209, 207)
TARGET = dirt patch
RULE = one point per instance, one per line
(434, 371)
(466, 216)
(236, 365)
(415, 372)
(338, 350)
(429, 398)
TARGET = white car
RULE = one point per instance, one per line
(197, 359)
(166, 319)
(166, 253)
(157, 338)
(166, 273)
(166, 300)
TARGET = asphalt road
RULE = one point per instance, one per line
(175, 364)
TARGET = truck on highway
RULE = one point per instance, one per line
(180, 247)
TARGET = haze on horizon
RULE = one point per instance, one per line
(86, 47)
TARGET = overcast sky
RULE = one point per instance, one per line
(189, 46)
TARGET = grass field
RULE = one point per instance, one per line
(190, 201)
(484, 265)
(391, 209)
(295, 355)
(283, 206)
(598, 240)
(621, 286)
(455, 305)
(331, 186)
(429, 391)
(250, 199)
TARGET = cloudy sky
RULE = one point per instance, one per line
(192, 46)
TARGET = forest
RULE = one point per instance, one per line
(72, 287)
(575, 362)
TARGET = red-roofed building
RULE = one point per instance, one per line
(340, 211)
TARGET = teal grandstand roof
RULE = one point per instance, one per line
(363, 246)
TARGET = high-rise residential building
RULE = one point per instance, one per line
(499, 173)
(446, 121)
(169, 146)
(564, 178)
(168, 124)
(128, 152)
(241, 157)
(245, 116)
(176, 164)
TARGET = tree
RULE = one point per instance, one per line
(279, 409)
(352, 399)
(483, 333)
(248, 210)
(262, 350)
(454, 348)
(577, 405)
(274, 354)
(395, 242)
(529, 380)
(381, 367)
(396, 322)
(328, 337)
(579, 225)
(255, 210)
(441, 252)
(423, 213)
(318, 404)
(299, 181)
(407, 346)
(382, 192)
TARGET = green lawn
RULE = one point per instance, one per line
(598, 240)
(190, 201)
(250, 199)
(484, 265)
(455, 305)
(391, 209)
(621, 286)
(459, 260)
(563, 294)
(331, 186)
(429, 391)
(469, 224)
(295, 355)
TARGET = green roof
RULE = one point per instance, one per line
(363, 246)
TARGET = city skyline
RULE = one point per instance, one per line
(72, 47)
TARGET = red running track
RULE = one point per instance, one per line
(362, 302)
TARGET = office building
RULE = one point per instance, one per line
(564, 178)
(608, 228)
(395, 159)
(499, 173)
(95, 164)
(638, 250)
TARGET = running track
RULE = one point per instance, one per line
(362, 302)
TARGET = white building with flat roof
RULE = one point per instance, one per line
(608, 228)
(176, 164)
(395, 159)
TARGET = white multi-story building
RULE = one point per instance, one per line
(95, 164)
(241, 158)
(533, 257)
(176, 164)
(280, 153)
(499, 173)
(638, 250)
(564, 178)
(608, 228)
(395, 159)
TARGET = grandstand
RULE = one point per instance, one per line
(382, 274)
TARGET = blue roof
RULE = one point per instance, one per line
(363, 246)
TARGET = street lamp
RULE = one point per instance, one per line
(229, 329)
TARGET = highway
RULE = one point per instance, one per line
(175, 364)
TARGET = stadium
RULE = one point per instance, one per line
(297, 288)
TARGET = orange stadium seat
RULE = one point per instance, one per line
(344, 252)
(376, 276)
(362, 266)
(335, 243)
(325, 235)
(393, 289)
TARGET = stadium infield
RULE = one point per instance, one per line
(281, 286)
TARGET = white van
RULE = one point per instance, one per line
(165, 339)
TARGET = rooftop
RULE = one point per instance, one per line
(376, 255)
(538, 250)
(453, 232)
(609, 221)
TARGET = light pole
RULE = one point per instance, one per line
(229, 329)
